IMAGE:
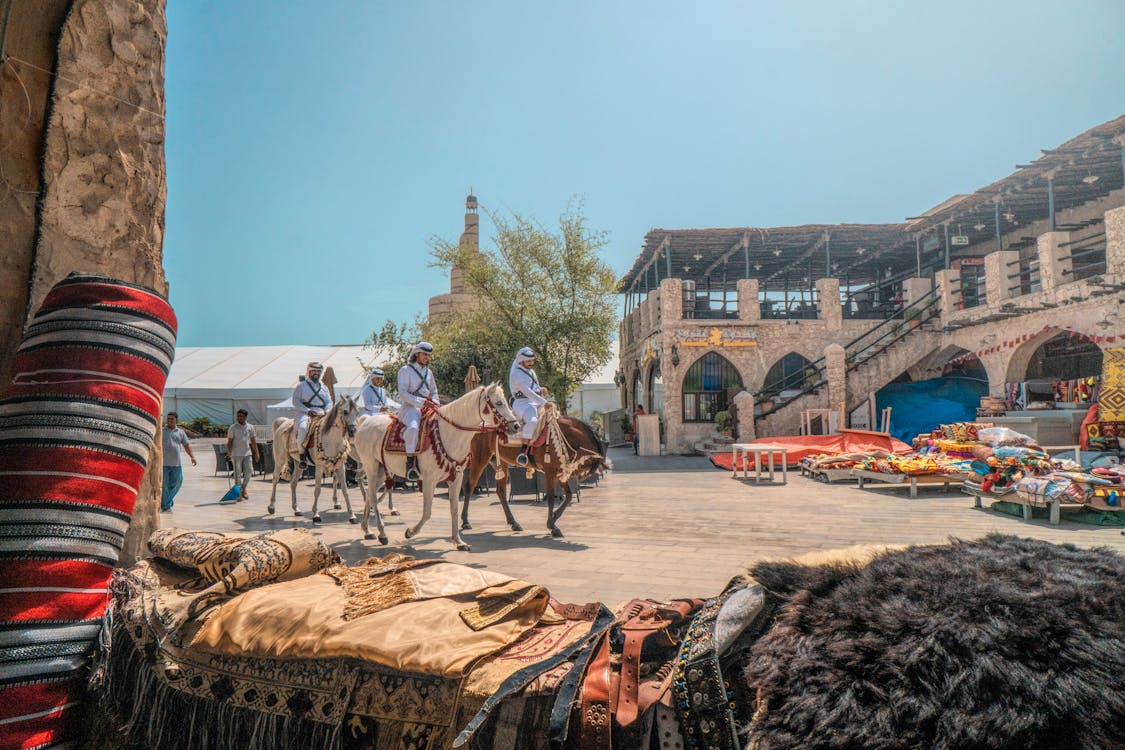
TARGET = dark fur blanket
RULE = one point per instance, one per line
(998, 643)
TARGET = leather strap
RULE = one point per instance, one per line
(595, 728)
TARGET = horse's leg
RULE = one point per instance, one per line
(370, 501)
(427, 504)
(342, 480)
(318, 477)
(473, 476)
(455, 489)
(502, 493)
(553, 515)
(293, 487)
(273, 490)
(336, 484)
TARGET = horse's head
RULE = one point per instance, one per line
(495, 409)
(348, 412)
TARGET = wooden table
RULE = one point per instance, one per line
(757, 449)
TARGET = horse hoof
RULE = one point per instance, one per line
(298, 513)
(353, 519)
(316, 518)
(557, 533)
(383, 540)
(336, 506)
(466, 526)
(462, 547)
(517, 527)
(409, 533)
(369, 535)
(394, 511)
(269, 510)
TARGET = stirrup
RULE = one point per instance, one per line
(522, 459)
(412, 474)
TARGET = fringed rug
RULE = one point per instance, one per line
(76, 428)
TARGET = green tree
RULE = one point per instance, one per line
(548, 290)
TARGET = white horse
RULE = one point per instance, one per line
(480, 410)
(328, 447)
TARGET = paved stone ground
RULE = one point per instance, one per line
(659, 527)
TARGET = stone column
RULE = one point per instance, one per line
(671, 301)
(949, 292)
(914, 289)
(998, 287)
(102, 202)
(836, 370)
(828, 296)
(745, 403)
(1115, 241)
(1053, 270)
(749, 309)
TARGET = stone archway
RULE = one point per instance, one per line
(654, 389)
(1054, 354)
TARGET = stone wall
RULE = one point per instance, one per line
(102, 188)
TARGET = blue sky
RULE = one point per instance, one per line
(314, 148)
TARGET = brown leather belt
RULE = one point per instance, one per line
(594, 730)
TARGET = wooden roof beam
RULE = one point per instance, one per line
(742, 243)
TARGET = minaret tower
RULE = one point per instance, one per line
(460, 295)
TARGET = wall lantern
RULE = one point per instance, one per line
(619, 378)
(675, 355)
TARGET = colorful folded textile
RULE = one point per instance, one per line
(76, 430)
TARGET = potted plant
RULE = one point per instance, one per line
(627, 427)
(723, 423)
(912, 316)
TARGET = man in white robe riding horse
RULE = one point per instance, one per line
(416, 388)
(527, 398)
(311, 398)
(374, 395)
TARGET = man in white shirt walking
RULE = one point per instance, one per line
(172, 439)
(242, 450)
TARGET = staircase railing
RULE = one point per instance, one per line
(857, 351)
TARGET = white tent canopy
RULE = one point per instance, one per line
(214, 382)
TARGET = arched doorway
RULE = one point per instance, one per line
(789, 373)
(708, 386)
(1054, 369)
(655, 390)
(638, 390)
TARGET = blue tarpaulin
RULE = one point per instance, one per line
(919, 407)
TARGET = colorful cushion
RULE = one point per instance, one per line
(76, 428)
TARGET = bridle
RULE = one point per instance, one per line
(484, 408)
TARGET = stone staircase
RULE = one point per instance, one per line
(714, 443)
(873, 360)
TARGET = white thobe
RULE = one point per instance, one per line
(415, 385)
(527, 397)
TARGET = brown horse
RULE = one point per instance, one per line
(580, 454)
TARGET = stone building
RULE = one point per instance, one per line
(1023, 277)
(460, 296)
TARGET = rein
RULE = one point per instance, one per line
(500, 426)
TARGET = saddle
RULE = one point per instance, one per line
(395, 442)
(307, 444)
(540, 437)
(631, 670)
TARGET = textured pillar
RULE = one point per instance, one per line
(1115, 241)
(914, 289)
(103, 171)
(996, 272)
(745, 403)
(749, 309)
(671, 300)
(828, 298)
(836, 370)
(949, 293)
(1054, 261)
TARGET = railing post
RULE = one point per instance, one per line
(914, 289)
(749, 309)
(947, 280)
(1115, 238)
(828, 301)
(1054, 261)
(997, 269)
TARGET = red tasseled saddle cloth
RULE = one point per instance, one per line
(394, 442)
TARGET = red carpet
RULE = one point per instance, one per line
(800, 446)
